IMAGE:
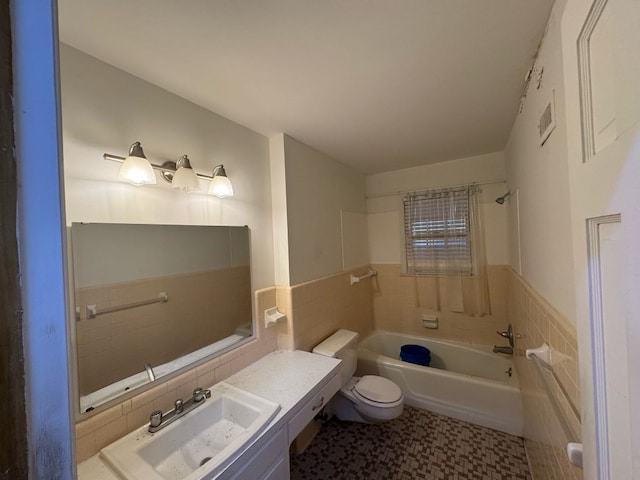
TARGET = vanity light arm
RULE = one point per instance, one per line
(160, 168)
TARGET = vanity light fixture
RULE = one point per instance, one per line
(136, 169)
(185, 178)
(220, 185)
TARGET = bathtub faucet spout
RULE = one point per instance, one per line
(500, 349)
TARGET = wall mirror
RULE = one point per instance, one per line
(150, 300)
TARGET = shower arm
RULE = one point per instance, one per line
(501, 199)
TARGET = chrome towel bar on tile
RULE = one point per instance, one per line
(353, 279)
(543, 358)
(93, 311)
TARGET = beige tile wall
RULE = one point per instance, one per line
(400, 301)
(535, 321)
(314, 310)
(203, 307)
(317, 309)
(104, 427)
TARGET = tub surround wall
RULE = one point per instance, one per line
(399, 302)
(385, 211)
(107, 426)
(535, 321)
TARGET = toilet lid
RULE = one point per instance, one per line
(377, 389)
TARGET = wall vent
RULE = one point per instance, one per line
(547, 121)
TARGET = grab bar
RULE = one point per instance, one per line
(353, 279)
(541, 358)
(93, 311)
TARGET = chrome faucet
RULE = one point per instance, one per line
(159, 420)
(508, 334)
(150, 374)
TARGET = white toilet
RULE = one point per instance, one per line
(369, 399)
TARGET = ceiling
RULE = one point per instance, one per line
(376, 84)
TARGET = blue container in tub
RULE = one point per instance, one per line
(415, 354)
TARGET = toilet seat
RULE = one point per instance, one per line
(377, 391)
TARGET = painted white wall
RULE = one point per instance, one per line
(319, 189)
(559, 192)
(540, 176)
(384, 202)
(355, 240)
(279, 209)
(105, 110)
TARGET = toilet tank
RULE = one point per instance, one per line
(343, 345)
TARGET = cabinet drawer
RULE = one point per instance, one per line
(313, 407)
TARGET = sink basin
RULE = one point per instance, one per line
(203, 441)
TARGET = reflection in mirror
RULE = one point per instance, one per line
(152, 299)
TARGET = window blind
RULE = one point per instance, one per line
(437, 232)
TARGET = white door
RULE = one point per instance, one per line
(601, 54)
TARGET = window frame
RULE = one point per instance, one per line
(437, 265)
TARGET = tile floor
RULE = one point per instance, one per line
(418, 445)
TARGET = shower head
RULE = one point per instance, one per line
(501, 199)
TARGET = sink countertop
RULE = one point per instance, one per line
(284, 377)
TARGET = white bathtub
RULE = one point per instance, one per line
(468, 382)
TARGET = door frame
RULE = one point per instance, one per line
(41, 234)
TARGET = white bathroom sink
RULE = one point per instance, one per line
(203, 441)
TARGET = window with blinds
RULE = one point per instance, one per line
(437, 232)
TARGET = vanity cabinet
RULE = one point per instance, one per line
(302, 383)
(279, 472)
(268, 458)
(313, 407)
(270, 462)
